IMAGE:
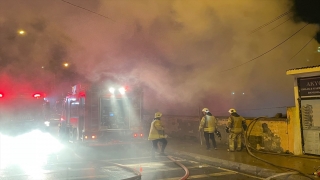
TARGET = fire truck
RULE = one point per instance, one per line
(22, 109)
(102, 112)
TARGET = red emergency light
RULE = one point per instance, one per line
(1, 95)
(37, 95)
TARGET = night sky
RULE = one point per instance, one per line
(188, 54)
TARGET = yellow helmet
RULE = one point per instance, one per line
(205, 110)
(157, 115)
(232, 111)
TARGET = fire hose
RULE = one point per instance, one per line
(248, 147)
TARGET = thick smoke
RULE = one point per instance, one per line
(177, 49)
(307, 11)
(32, 50)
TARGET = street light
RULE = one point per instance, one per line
(66, 64)
(21, 32)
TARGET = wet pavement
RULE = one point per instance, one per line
(79, 161)
(243, 161)
(101, 161)
(137, 156)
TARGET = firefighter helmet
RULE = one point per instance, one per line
(232, 111)
(157, 115)
(205, 110)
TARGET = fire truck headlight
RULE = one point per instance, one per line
(47, 123)
(111, 90)
(122, 90)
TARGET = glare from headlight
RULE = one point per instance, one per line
(30, 151)
(111, 90)
(122, 90)
(47, 123)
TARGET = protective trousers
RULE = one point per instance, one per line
(211, 136)
(232, 138)
(155, 142)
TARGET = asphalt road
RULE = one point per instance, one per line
(136, 155)
(77, 161)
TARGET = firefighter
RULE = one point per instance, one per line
(208, 124)
(236, 125)
(157, 135)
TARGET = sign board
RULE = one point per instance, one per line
(309, 86)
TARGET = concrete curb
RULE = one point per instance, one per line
(236, 166)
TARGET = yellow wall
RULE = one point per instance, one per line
(276, 136)
(279, 132)
(291, 116)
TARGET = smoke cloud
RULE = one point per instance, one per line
(307, 11)
(179, 50)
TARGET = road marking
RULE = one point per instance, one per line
(203, 175)
(144, 157)
(125, 159)
(159, 163)
(148, 164)
(240, 173)
(148, 171)
(168, 169)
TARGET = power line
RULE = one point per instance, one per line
(301, 49)
(273, 20)
(277, 107)
(266, 51)
(87, 10)
(280, 24)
